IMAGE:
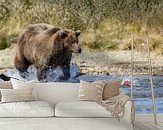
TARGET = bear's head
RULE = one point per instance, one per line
(70, 40)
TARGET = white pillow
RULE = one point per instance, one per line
(16, 95)
(18, 84)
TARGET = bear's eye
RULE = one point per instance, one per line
(73, 41)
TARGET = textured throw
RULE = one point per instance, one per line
(116, 105)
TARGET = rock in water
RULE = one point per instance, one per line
(4, 77)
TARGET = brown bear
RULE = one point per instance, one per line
(44, 46)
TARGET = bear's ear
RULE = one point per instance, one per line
(78, 33)
(63, 34)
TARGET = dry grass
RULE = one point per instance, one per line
(106, 24)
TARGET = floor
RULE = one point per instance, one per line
(73, 124)
(148, 126)
(63, 124)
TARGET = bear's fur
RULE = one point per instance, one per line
(44, 46)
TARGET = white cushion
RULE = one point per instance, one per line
(18, 84)
(16, 95)
(26, 109)
(80, 109)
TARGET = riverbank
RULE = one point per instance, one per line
(115, 62)
(95, 62)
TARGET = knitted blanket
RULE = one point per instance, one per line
(116, 105)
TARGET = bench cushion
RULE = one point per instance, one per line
(80, 109)
(26, 109)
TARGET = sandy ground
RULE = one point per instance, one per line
(93, 62)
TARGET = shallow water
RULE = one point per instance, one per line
(140, 83)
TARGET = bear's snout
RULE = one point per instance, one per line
(79, 50)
